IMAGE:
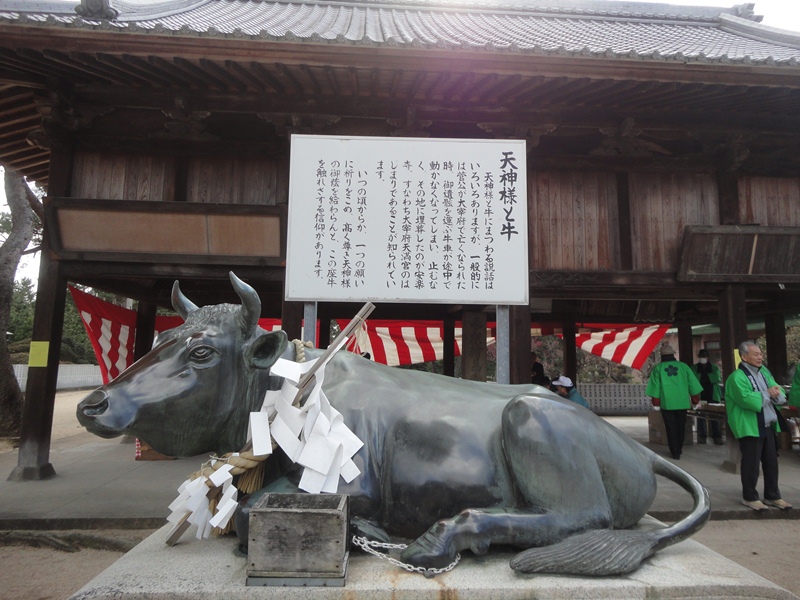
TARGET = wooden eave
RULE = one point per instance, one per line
(386, 57)
(477, 93)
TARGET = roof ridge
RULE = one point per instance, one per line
(759, 31)
(151, 9)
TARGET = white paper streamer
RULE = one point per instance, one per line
(314, 436)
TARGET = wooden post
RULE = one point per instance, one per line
(33, 461)
(324, 332)
(778, 362)
(570, 351)
(145, 329)
(473, 345)
(732, 324)
(732, 332)
(520, 344)
(685, 346)
(449, 341)
(292, 319)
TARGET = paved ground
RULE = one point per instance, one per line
(102, 491)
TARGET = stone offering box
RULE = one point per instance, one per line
(298, 540)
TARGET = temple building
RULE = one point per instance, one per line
(663, 157)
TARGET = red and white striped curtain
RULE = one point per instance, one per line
(112, 328)
(112, 331)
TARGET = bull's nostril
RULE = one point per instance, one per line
(94, 404)
(96, 409)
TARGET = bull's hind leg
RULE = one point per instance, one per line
(558, 482)
(477, 529)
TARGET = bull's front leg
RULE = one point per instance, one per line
(477, 529)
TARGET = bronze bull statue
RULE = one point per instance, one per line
(452, 464)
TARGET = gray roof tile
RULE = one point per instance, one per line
(573, 27)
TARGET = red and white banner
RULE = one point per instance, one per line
(628, 345)
(112, 329)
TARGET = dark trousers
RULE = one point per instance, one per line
(759, 451)
(675, 426)
(716, 431)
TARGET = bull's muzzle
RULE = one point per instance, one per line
(94, 413)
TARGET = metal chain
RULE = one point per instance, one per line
(368, 546)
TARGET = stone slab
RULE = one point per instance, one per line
(209, 569)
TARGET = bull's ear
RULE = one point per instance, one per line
(266, 349)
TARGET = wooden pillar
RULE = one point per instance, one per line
(33, 461)
(685, 349)
(145, 329)
(732, 332)
(520, 343)
(292, 319)
(778, 362)
(449, 341)
(324, 333)
(732, 324)
(570, 351)
(473, 345)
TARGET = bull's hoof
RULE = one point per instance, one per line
(479, 547)
(429, 552)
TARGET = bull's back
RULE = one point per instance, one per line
(432, 443)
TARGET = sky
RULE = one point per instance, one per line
(783, 14)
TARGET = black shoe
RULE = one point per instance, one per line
(701, 440)
(676, 456)
(719, 442)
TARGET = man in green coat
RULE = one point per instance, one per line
(794, 392)
(750, 392)
(673, 387)
(709, 376)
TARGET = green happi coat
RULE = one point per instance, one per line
(743, 403)
(674, 383)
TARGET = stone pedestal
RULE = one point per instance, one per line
(210, 570)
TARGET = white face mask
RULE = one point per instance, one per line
(703, 361)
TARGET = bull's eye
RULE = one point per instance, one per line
(202, 354)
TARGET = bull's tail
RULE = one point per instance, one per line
(616, 552)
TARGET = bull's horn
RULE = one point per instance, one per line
(182, 305)
(251, 304)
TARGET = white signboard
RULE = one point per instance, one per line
(407, 220)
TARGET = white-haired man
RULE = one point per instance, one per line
(750, 395)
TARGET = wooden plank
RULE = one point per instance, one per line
(591, 223)
(566, 202)
(244, 235)
(113, 186)
(132, 232)
(577, 224)
(543, 242)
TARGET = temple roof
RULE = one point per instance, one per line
(587, 28)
